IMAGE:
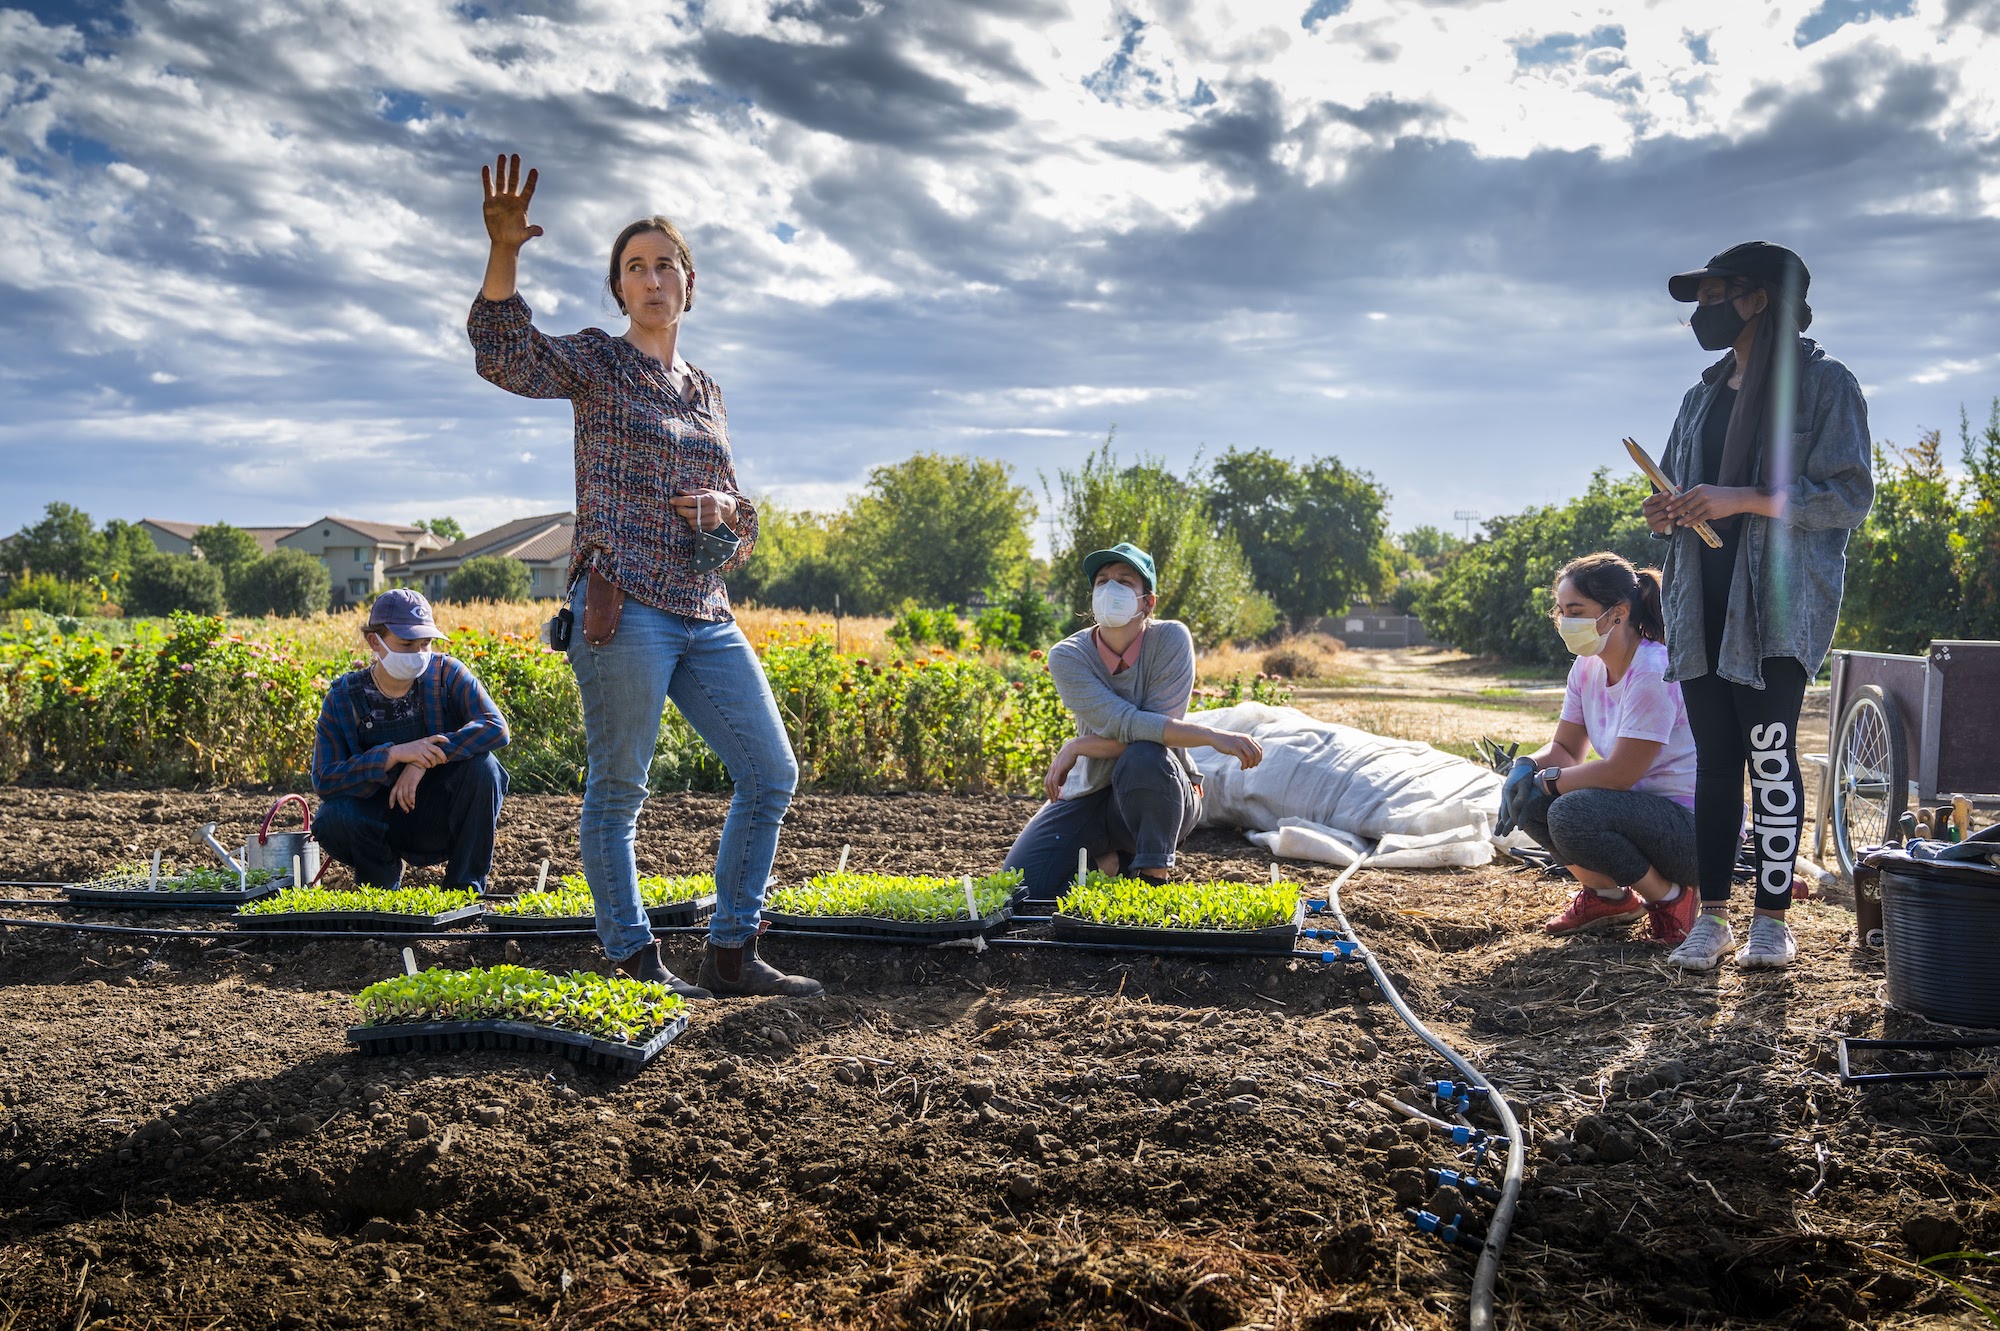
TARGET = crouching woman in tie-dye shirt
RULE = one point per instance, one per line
(659, 519)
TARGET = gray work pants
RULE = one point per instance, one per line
(1144, 814)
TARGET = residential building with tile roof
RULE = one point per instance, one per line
(542, 543)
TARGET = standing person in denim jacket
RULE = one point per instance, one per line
(1771, 449)
(659, 519)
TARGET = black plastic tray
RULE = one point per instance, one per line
(1279, 938)
(926, 931)
(361, 921)
(673, 915)
(412, 1036)
(130, 894)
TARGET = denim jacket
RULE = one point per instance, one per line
(1785, 598)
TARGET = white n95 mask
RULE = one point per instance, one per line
(1113, 604)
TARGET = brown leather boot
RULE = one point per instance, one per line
(738, 972)
(647, 964)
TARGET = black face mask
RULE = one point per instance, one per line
(1716, 326)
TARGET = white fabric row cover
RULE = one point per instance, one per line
(1327, 792)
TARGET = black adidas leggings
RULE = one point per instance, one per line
(1735, 727)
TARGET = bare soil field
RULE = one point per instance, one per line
(951, 1139)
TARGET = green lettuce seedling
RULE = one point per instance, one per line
(1212, 905)
(889, 897)
(610, 1008)
(573, 896)
(401, 900)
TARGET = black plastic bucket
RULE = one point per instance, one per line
(1942, 927)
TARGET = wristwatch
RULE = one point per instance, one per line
(1547, 778)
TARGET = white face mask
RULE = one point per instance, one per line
(403, 665)
(1580, 635)
(1113, 604)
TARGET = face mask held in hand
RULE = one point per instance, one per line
(403, 665)
(1580, 634)
(1113, 604)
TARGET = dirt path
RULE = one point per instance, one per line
(1012, 1139)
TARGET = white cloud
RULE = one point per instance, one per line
(1430, 238)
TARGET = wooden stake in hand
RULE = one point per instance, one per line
(1668, 488)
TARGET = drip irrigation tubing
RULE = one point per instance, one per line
(1480, 1315)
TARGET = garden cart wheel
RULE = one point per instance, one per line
(1870, 775)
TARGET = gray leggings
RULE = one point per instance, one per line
(1618, 833)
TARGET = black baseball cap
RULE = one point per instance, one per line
(1759, 260)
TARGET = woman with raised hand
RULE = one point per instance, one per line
(1771, 451)
(1622, 822)
(659, 519)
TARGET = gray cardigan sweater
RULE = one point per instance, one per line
(1130, 707)
(1785, 597)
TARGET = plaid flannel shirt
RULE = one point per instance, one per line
(638, 443)
(454, 704)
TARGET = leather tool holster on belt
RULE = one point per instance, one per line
(603, 603)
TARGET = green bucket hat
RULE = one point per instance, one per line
(1122, 553)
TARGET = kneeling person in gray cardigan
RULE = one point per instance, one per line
(1124, 790)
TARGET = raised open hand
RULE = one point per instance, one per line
(506, 206)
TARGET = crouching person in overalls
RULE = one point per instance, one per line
(1127, 679)
(403, 762)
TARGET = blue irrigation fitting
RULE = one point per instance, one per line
(1346, 946)
(1315, 908)
(1465, 1183)
(1447, 1231)
(1460, 1096)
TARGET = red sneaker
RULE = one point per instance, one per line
(1587, 911)
(1668, 922)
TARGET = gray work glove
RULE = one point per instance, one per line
(1514, 792)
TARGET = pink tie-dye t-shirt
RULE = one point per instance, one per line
(1643, 705)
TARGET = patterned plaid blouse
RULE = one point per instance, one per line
(638, 443)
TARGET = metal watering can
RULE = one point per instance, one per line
(275, 850)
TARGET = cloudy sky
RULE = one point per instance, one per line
(1428, 237)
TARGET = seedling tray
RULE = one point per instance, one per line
(132, 893)
(494, 1033)
(361, 921)
(673, 915)
(923, 931)
(1277, 938)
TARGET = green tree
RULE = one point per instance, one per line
(63, 545)
(124, 544)
(160, 584)
(285, 582)
(1312, 534)
(1493, 596)
(445, 529)
(490, 578)
(1977, 548)
(795, 562)
(1428, 546)
(1902, 577)
(1204, 580)
(232, 551)
(937, 530)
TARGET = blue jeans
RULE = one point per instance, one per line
(712, 675)
(1146, 812)
(457, 808)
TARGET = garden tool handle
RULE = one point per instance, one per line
(305, 813)
(1668, 488)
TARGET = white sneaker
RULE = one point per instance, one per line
(1709, 940)
(1771, 946)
